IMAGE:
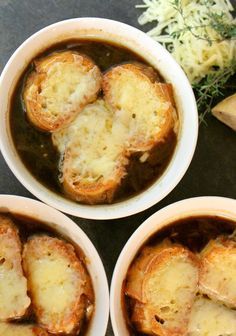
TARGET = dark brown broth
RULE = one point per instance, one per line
(27, 227)
(193, 233)
(35, 147)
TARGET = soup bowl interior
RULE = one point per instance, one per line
(64, 226)
(138, 42)
(194, 207)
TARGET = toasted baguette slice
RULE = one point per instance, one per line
(218, 271)
(146, 321)
(136, 273)
(58, 284)
(143, 106)
(11, 329)
(211, 319)
(13, 285)
(94, 155)
(168, 281)
(61, 85)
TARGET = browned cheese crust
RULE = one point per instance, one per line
(145, 105)
(58, 89)
(59, 285)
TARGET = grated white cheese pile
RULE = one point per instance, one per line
(190, 48)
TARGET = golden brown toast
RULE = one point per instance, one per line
(58, 283)
(96, 147)
(93, 154)
(14, 301)
(59, 87)
(145, 320)
(164, 289)
(15, 329)
(218, 271)
(209, 318)
(144, 106)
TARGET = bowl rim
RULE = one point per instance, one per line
(159, 189)
(37, 209)
(195, 206)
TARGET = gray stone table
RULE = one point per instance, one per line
(213, 168)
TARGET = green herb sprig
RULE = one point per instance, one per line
(212, 87)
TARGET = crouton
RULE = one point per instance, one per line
(14, 301)
(15, 329)
(218, 271)
(60, 287)
(143, 106)
(209, 318)
(93, 152)
(59, 87)
(166, 284)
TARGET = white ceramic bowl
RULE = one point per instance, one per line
(215, 206)
(65, 226)
(155, 54)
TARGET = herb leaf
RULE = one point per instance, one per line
(212, 87)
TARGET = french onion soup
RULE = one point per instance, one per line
(45, 287)
(93, 121)
(183, 281)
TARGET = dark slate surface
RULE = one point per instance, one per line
(213, 169)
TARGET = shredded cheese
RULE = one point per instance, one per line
(191, 48)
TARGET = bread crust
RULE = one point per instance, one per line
(102, 191)
(37, 98)
(149, 315)
(53, 251)
(147, 70)
(14, 302)
(218, 271)
(161, 92)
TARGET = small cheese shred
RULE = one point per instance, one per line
(185, 28)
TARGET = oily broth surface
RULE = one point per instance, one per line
(27, 227)
(193, 233)
(35, 147)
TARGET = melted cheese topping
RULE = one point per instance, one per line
(96, 150)
(132, 96)
(65, 87)
(171, 290)
(54, 283)
(211, 319)
(218, 278)
(13, 290)
(13, 287)
(196, 56)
